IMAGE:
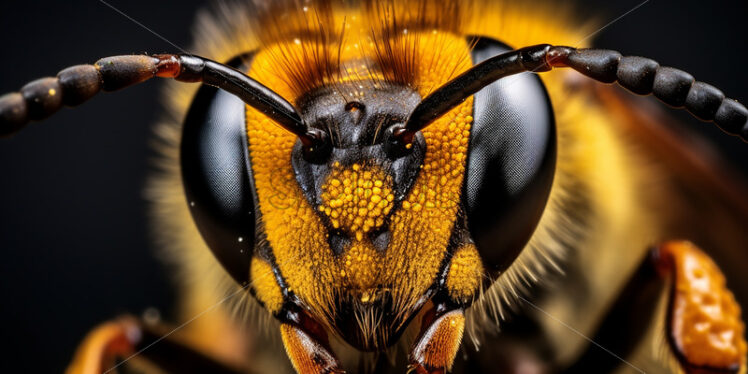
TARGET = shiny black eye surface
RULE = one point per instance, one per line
(511, 162)
(216, 176)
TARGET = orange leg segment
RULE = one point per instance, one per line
(436, 348)
(704, 325)
(105, 344)
(306, 343)
(307, 354)
(128, 337)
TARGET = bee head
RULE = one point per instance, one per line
(358, 229)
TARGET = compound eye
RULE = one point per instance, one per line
(216, 176)
(511, 162)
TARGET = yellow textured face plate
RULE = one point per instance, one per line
(420, 230)
(356, 200)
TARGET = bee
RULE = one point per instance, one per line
(424, 186)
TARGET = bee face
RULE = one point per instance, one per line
(361, 237)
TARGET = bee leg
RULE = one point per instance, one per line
(116, 342)
(306, 343)
(436, 347)
(102, 346)
(703, 325)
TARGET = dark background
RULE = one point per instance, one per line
(73, 225)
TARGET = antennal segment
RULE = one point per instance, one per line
(644, 76)
(73, 86)
(637, 74)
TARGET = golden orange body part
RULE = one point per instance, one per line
(441, 342)
(103, 346)
(298, 344)
(465, 273)
(705, 319)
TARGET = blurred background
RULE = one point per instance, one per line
(73, 221)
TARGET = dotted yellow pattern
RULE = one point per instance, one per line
(357, 199)
(361, 267)
(294, 231)
(465, 273)
(419, 231)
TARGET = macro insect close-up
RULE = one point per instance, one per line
(374, 186)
